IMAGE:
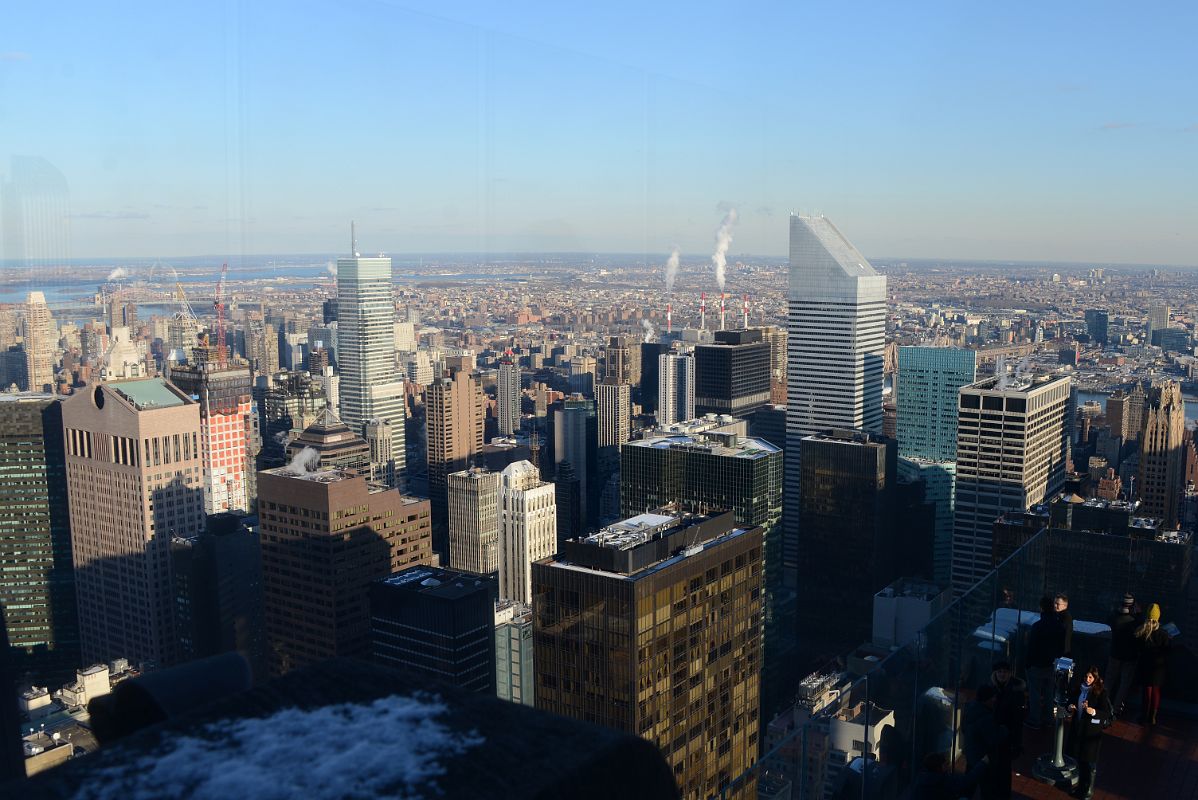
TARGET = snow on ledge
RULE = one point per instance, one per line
(391, 747)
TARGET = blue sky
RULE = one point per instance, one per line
(1033, 131)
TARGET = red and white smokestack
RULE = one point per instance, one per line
(723, 310)
(703, 310)
(746, 312)
(669, 317)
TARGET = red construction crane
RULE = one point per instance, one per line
(219, 304)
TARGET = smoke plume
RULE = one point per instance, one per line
(331, 268)
(304, 461)
(648, 326)
(723, 240)
(672, 269)
(117, 274)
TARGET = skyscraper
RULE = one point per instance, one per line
(702, 469)
(602, 652)
(335, 445)
(650, 353)
(134, 481)
(514, 652)
(223, 391)
(474, 521)
(436, 622)
(1012, 443)
(507, 395)
(37, 588)
(846, 519)
(574, 441)
(41, 344)
(370, 387)
(732, 375)
(835, 343)
(527, 528)
(929, 379)
(582, 375)
(1096, 325)
(614, 401)
(326, 537)
(1162, 455)
(380, 440)
(1158, 319)
(1125, 412)
(453, 412)
(623, 361)
(675, 388)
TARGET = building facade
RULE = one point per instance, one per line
(507, 395)
(224, 394)
(514, 679)
(732, 375)
(474, 521)
(527, 528)
(1160, 479)
(675, 388)
(436, 622)
(929, 379)
(652, 626)
(310, 520)
(40, 344)
(37, 586)
(1012, 444)
(369, 387)
(135, 479)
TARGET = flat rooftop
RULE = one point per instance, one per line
(745, 447)
(436, 582)
(631, 532)
(149, 393)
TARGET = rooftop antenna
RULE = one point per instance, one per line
(353, 240)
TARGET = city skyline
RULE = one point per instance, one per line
(656, 128)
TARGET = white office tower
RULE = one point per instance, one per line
(370, 388)
(405, 337)
(332, 388)
(836, 334)
(675, 388)
(1012, 443)
(380, 438)
(507, 395)
(474, 520)
(527, 528)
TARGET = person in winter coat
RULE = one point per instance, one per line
(1154, 651)
(1089, 715)
(1125, 653)
(1010, 707)
(1060, 604)
(1045, 644)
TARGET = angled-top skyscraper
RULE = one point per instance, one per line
(836, 335)
(370, 388)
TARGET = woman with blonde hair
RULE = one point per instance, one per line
(1154, 646)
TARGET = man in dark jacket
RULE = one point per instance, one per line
(1125, 653)
(1045, 644)
(1010, 707)
(1060, 604)
(984, 738)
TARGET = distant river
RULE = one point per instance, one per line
(1191, 405)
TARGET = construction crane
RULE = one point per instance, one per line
(219, 304)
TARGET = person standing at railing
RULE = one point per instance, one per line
(1045, 644)
(1125, 653)
(1060, 604)
(1011, 705)
(1154, 651)
(1089, 715)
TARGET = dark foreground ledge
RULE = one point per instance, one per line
(350, 729)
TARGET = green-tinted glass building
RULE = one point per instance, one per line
(929, 379)
(37, 582)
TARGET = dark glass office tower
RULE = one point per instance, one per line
(710, 470)
(649, 372)
(652, 626)
(1096, 325)
(37, 586)
(732, 376)
(847, 537)
(438, 622)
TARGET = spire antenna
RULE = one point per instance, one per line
(353, 240)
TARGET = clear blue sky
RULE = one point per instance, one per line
(1055, 131)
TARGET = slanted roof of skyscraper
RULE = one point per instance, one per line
(840, 252)
(149, 393)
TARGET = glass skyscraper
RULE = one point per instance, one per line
(929, 379)
(370, 388)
